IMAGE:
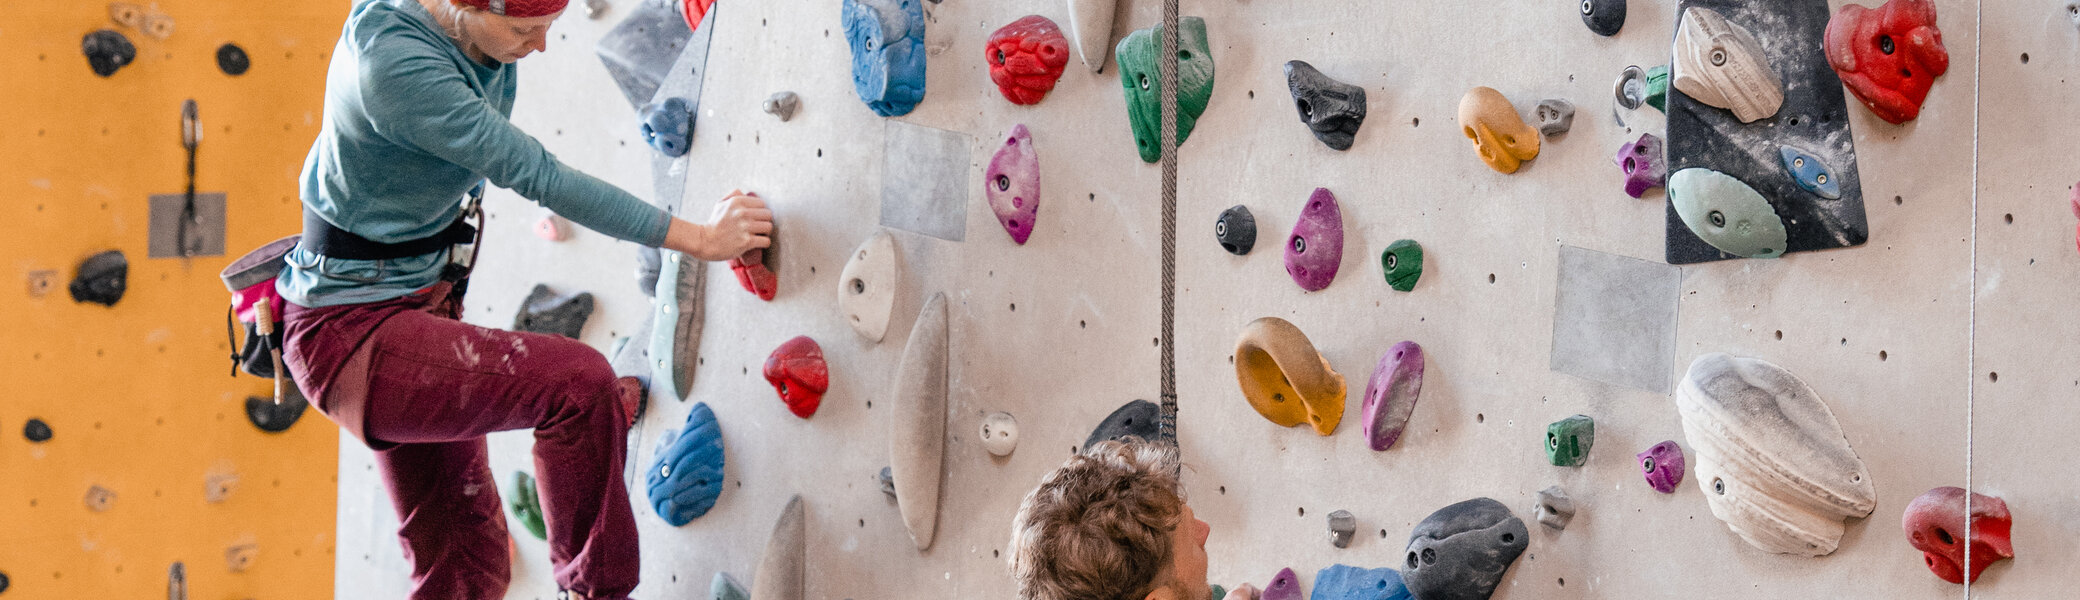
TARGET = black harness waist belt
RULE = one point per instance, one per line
(332, 242)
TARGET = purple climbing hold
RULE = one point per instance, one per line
(1390, 397)
(1012, 184)
(1644, 165)
(1663, 466)
(1284, 586)
(1315, 249)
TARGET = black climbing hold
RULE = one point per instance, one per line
(1236, 230)
(233, 60)
(101, 279)
(1136, 419)
(276, 418)
(546, 312)
(1461, 551)
(648, 263)
(1332, 109)
(107, 51)
(37, 431)
(1604, 17)
(3, 583)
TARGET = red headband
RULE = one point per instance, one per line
(519, 8)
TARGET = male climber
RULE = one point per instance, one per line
(1112, 524)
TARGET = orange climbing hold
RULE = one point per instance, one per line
(1285, 379)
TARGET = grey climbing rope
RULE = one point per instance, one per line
(1167, 424)
(1971, 361)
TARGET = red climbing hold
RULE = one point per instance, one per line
(796, 370)
(1026, 58)
(1888, 56)
(1935, 525)
(754, 276)
(695, 10)
(2076, 214)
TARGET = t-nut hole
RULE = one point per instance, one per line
(1718, 486)
(1717, 218)
(1300, 244)
(859, 286)
(1647, 463)
(1588, 6)
(1003, 183)
(1509, 538)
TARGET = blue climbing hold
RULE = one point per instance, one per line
(686, 475)
(1345, 582)
(1810, 173)
(668, 126)
(887, 39)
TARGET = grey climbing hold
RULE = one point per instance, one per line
(1604, 17)
(546, 312)
(270, 417)
(781, 572)
(595, 9)
(724, 587)
(100, 499)
(1236, 230)
(37, 431)
(1555, 116)
(1341, 526)
(648, 262)
(888, 482)
(1555, 509)
(1331, 109)
(1000, 433)
(101, 279)
(1136, 419)
(1461, 551)
(782, 105)
(240, 557)
(107, 51)
(639, 52)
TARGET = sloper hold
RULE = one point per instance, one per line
(1770, 457)
(270, 417)
(999, 433)
(1461, 551)
(1026, 58)
(867, 286)
(1345, 582)
(668, 126)
(1391, 394)
(1236, 230)
(546, 312)
(781, 569)
(1331, 109)
(1726, 213)
(1721, 64)
(1568, 441)
(1554, 508)
(1137, 55)
(36, 431)
(1645, 164)
(1138, 418)
(1285, 379)
(1888, 56)
(1342, 525)
(107, 51)
(917, 440)
(675, 344)
(1314, 252)
(101, 279)
(1605, 17)
(724, 587)
(783, 105)
(1555, 116)
(1012, 184)
(527, 505)
(797, 371)
(888, 57)
(1663, 466)
(1284, 586)
(1500, 137)
(1935, 525)
(1090, 22)
(685, 476)
(1809, 173)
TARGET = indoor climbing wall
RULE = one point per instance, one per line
(128, 450)
(1544, 294)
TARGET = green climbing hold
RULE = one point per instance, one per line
(1403, 264)
(1568, 441)
(1140, 75)
(1657, 88)
(725, 587)
(526, 506)
(1219, 592)
(1726, 213)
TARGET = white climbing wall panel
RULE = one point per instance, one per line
(1061, 331)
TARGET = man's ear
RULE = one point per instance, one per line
(1164, 592)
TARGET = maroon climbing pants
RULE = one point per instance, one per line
(422, 389)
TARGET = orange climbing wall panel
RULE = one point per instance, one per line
(138, 395)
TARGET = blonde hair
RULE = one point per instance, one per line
(1099, 527)
(449, 14)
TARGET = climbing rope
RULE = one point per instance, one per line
(1971, 352)
(1167, 424)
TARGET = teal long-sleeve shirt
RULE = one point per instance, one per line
(411, 123)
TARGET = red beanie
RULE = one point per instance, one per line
(518, 8)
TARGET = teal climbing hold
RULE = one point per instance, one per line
(1726, 213)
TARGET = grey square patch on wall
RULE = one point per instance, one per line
(1614, 319)
(203, 235)
(924, 181)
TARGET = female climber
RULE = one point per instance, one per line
(416, 114)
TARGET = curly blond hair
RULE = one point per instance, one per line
(1099, 527)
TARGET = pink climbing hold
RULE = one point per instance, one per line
(1315, 250)
(1012, 184)
(1644, 164)
(1284, 586)
(552, 228)
(1390, 397)
(797, 371)
(1663, 466)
